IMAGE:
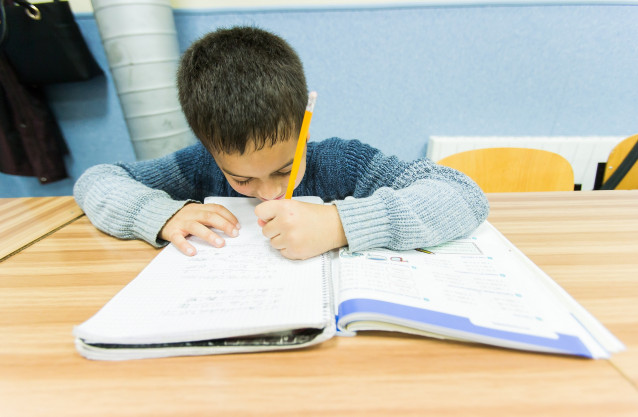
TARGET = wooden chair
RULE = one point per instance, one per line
(498, 170)
(616, 157)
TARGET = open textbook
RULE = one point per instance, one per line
(246, 297)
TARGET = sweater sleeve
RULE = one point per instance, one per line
(404, 205)
(135, 200)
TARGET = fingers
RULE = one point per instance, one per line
(270, 229)
(268, 215)
(196, 220)
(278, 242)
(268, 210)
(199, 230)
(211, 215)
(301, 230)
(178, 238)
(264, 210)
(277, 222)
(182, 244)
(271, 215)
(218, 217)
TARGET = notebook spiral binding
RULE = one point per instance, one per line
(327, 288)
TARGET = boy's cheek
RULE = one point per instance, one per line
(247, 191)
(300, 174)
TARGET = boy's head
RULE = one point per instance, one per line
(242, 88)
(244, 94)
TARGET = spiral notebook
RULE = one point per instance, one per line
(246, 297)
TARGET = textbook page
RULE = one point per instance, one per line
(244, 288)
(475, 289)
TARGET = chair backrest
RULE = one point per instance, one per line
(616, 156)
(498, 170)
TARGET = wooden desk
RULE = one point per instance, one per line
(25, 220)
(587, 241)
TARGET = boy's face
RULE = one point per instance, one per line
(262, 173)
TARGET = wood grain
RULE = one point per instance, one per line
(25, 220)
(587, 241)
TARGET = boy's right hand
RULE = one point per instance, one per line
(196, 219)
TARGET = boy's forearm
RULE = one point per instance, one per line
(402, 205)
(122, 207)
(427, 213)
(338, 233)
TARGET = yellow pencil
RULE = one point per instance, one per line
(301, 143)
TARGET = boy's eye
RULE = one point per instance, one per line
(282, 174)
(244, 182)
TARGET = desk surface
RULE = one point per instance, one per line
(587, 241)
(25, 220)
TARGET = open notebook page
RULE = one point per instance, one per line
(480, 288)
(243, 288)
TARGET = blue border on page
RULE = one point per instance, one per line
(565, 343)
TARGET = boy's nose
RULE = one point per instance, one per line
(270, 191)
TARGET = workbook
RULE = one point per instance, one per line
(246, 297)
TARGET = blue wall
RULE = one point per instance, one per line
(393, 76)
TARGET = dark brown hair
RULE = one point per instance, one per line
(242, 85)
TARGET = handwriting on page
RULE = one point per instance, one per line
(229, 300)
(233, 263)
(227, 272)
(235, 286)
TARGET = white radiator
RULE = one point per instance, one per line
(583, 152)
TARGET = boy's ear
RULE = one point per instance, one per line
(308, 137)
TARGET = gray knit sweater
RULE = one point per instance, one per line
(393, 204)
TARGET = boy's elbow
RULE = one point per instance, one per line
(88, 180)
(480, 206)
(476, 201)
(81, 186)
(482, 215)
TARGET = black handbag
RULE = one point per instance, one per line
(43, 43)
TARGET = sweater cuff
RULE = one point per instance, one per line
(365, 222)
(152, 217)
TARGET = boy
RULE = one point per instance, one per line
(244, 93)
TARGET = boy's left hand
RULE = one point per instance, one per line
(301, 230)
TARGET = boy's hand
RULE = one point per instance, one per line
(195, 219)
(301, 230)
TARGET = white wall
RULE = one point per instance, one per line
(81, 6)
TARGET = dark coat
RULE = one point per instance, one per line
(31, 143)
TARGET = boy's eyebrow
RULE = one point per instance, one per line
(243, 176)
